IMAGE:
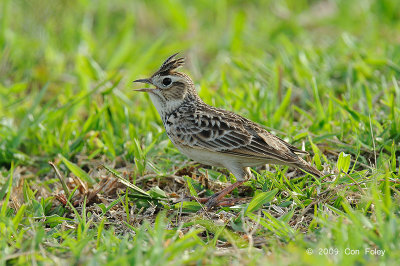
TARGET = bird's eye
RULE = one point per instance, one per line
(166, 81)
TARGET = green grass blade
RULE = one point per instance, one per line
(77, 171)
(126, 182)
(258, 201)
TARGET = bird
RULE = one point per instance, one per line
(214, 136)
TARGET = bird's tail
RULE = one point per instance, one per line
(303, 165)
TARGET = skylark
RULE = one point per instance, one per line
(213, 136)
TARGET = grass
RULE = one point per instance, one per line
(320, 74)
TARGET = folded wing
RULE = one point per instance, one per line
(231, 134)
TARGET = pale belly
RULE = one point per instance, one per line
(203, 157)
(218, 159)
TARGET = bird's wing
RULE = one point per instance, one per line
(229, 133)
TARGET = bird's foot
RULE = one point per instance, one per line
(218, 198)
(210, 202)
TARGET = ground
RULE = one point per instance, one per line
(88, 175)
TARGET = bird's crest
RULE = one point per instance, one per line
(171, 64)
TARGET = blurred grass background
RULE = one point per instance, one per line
(317, 72)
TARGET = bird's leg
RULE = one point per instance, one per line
(218, 198)
(215, 199)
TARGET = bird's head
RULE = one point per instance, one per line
(171, 88)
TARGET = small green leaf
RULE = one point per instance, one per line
(317, 152)
(157, 192)
(38, 210)
(102, 207)
(99, 232)
(300, 136)
(4, 190)
(6, 186)
(126, 182)
(55, 219)
(393, 157)
(343, 162)
(27, 192)
(258, 201)
(221, 232)
(188, 206)
(190, 186)
(77, 171)
(18, 217)
(286, 217)
(112, 204)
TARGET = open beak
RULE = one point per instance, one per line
(146, 81)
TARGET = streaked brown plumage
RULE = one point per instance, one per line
(215, 136)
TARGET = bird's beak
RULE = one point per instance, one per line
(146, 81)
